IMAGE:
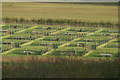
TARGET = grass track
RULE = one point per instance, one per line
(80, 38)
(30, 42)
(99, 47)
(19, 32)
(9, 51)
(16, 32)
(26, 29)
(60, 30)
(105, 43)
(70, 42)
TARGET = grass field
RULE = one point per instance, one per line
(82, 12)
(59, 40)
(57, 51)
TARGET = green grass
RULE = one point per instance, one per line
(83, 12)
(66, 45)
(17, 65)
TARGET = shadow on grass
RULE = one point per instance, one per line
(58, 67)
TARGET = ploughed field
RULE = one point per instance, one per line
(59, 40)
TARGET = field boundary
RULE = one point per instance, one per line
(18, 32)
(105, 44)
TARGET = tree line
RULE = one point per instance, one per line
(49, 21)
